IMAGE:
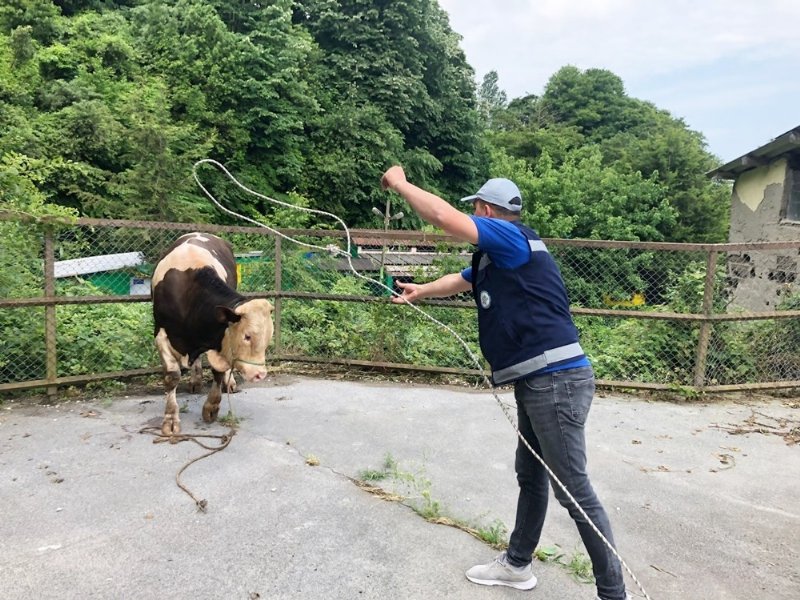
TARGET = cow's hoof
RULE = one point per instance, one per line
(210, 413)
(195, 387)
(170, 427)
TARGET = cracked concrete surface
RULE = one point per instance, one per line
(91, 509)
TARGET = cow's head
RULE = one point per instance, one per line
(245, 342)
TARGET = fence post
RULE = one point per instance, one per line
(705, 327)
(278, 283)
(50, 312)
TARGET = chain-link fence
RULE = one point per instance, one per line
(75, 304)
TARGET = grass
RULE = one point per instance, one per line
(388, 470)
(577, 565)
(371, 475)
(494, 534)
(230, 420)
(415, 488)
(685, 393)
(415, 493)
(580, 567)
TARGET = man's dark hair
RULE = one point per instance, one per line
(504, 213)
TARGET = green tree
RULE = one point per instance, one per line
(583, 198)
(593, 100)
(676, 156)
(638, 147)
(403, 59)
(315, 98)
(491, 98)
(41, 16)
(350, 147)
(247, 90)
(21, 272)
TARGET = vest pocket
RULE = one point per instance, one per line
(512, 334)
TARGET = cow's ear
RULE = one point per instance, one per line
(224, 314)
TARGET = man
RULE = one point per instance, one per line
(529, 339)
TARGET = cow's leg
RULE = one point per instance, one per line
(196, 377)
(171, 425)
(211, 406)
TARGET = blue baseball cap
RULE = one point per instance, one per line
(499, 191)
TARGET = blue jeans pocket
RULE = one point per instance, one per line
(538, 387)
(579, 396)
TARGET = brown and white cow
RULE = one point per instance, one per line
(197, 309)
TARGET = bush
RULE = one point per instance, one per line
(375, 331)
(104, 337)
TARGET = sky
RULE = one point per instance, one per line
(729, 68)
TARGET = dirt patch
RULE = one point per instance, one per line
(759, 422)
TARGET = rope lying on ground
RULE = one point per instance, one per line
(225, 439)
(160, 438)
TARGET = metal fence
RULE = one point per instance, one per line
(75, 304)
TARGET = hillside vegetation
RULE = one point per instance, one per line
(105, 107)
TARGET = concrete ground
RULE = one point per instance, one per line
(89, 507)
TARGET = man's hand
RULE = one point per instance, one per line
(444, 287)
(411, 292)
(393, 177)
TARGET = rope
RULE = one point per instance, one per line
(249, 362)
(346, 254)
(225, 439)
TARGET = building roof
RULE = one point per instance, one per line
(377, 240)
(781, 145)
(396, 263)
(97, 264)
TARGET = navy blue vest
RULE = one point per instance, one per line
(523, 314)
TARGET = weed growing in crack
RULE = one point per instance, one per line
(230, 420)
(494, 534)
(413, 489)
(415, 492)
(388, 470)
(578, 565)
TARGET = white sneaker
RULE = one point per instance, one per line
(500, 572)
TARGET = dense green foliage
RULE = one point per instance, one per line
(106, 106)
(112, 337)
(118, 100)
(376, 332)
(596, 163)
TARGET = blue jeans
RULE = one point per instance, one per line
(552, 410)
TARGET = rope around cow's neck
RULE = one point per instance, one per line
(346, 254)
(249, 362)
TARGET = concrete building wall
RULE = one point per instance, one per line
(760, 280)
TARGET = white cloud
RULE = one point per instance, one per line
(651, 44)
(527, 40)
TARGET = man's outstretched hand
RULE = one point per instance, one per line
(410, 292)
(393, 177)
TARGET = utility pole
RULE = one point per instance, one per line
(388, 217)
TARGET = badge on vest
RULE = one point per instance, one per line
(486, 299)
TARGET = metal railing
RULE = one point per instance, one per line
(75, 306)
